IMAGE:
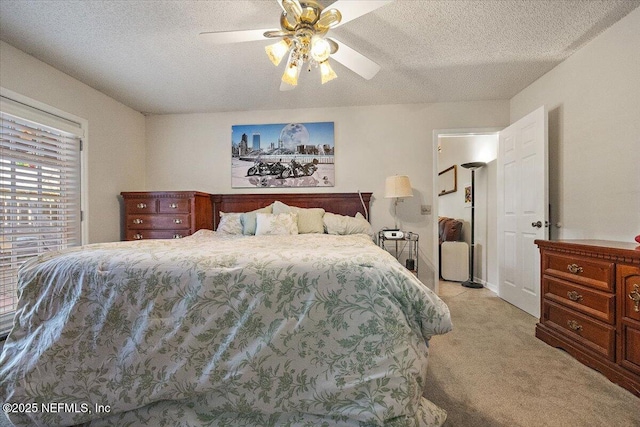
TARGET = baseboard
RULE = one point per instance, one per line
(493, 288)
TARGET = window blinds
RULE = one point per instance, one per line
(39, 192)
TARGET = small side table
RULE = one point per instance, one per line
(397, 246)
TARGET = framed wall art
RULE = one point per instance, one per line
(448, 181)
(283, 155)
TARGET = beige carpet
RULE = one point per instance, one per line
(492, 371)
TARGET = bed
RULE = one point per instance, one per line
(224, 330)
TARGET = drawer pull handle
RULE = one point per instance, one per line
(574, 296)
(173, 205)
(137, 236)
(574, 268)
(177, 236)
(574, 325)
(141, 205)
(177, 221)
(138, 221)
(635, 297)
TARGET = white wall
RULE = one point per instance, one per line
(114, 142)
(593, 99)
(193, 152)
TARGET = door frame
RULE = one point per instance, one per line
(437, 133)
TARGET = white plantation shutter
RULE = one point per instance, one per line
(39, 192)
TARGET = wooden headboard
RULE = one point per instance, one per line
(338, 203)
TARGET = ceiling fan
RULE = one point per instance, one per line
(304, 25)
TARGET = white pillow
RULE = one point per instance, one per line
(230, 223)
(342, 224)
(309, 219)
(248, 220)
(276, 224)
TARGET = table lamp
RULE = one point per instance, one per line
(397, 187)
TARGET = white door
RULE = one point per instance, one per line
(523, 201)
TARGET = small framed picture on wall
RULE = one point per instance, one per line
(467, 195)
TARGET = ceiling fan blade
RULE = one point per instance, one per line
(355, 61)
(223, 37)
(351, 10)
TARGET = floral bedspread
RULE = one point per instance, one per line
(306, 330)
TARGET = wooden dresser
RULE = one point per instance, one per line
(590, 305)
(166, 214)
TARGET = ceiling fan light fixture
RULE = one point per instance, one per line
(326, 72)
(291, 73)
(304, 27)
(329, 18)
(320, 48)
(277, 51)
(293, 8)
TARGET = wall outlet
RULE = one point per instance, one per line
(425, 209)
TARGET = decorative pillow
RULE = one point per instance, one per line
(333, 223)
(359, 225)
(342, 224)
(279, 207)
(276, 224)
(230, 223)
(309, 219)
(248, 220)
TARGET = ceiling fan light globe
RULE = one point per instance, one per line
(291, 73)
(329, 19)
(320, 49)
(293, 8)
(326, 72)
(277, 51)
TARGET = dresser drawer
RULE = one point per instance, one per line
(582, 270)
(162, 222)
(630, 357)
(173, 205)
(598, 304)
(140, 205)
(588, 332)
(156, 234)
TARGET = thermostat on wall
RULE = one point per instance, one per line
(393, 234)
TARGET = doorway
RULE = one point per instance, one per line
(519, 209)
(453, 147)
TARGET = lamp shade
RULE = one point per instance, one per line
(397, 186)
(473, 165)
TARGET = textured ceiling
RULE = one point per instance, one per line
(147, 53)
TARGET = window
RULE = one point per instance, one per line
(39, 192)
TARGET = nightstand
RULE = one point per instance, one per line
(396, 247)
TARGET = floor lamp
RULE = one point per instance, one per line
(472, 166)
